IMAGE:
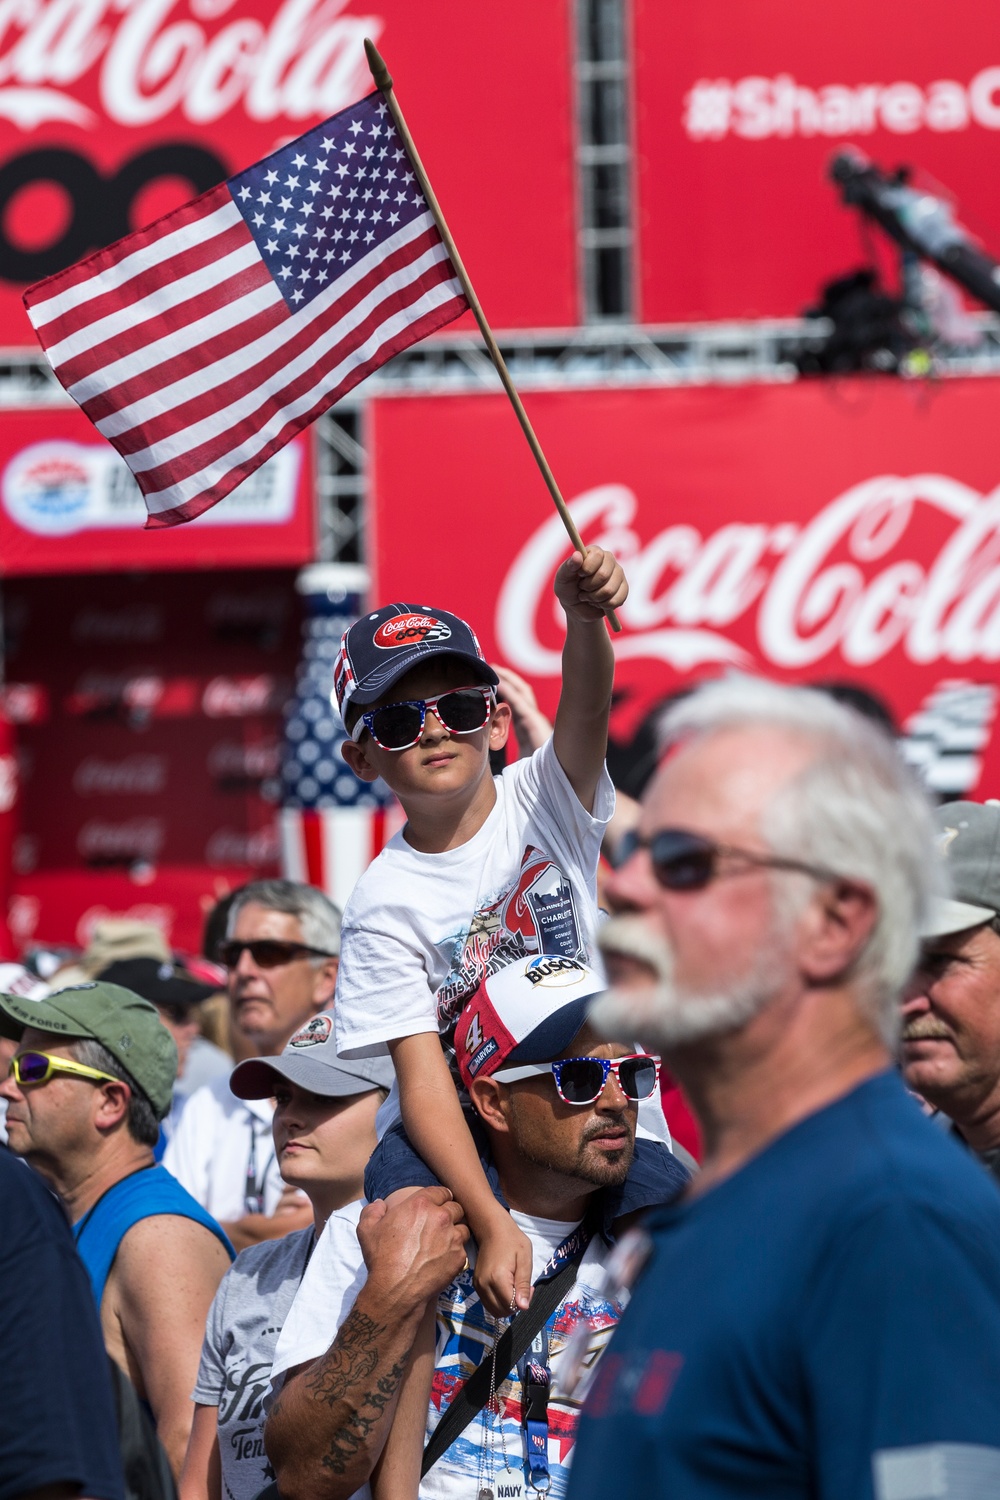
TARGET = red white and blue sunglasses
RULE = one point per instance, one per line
(398, 726)
(582, 1080)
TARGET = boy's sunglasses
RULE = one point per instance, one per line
(30, 1068)
(684, 861)
(397, 726)
(582, 1080)
(267, 953)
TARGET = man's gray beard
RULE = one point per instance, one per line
(660, 1015)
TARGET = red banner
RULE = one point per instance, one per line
(739, 109)
(843, 530)
(111, 114)
(68, 504)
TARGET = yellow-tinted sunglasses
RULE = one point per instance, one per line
(30, 1068)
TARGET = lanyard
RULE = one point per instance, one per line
(535, 1376)
(533, 1368)
(253, 1190)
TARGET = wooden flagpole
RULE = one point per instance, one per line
(383, 81)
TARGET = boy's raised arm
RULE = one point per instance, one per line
(585, 587)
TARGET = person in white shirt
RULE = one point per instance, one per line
(281, 954)
(561, 1137)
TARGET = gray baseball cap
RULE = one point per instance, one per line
(310, 1060)
(970, 844)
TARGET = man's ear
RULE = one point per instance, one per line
(356, 758)
(500, 722)
(110, 1105)
(835, 928)
(490, 1103)
(326, 983)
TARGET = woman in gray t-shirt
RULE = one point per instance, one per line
(324, 1133)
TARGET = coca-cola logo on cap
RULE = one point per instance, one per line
(411, 630)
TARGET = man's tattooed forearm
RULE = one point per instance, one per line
(343, 1378)
(351, 1437)
(350, 1359)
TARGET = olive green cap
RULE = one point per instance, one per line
(128, 1026)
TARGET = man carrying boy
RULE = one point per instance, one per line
(487, 870)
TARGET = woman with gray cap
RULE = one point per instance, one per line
(324, 1133)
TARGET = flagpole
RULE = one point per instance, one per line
(383, 81)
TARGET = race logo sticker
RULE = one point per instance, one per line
(411, 630)
(483, 1056)
(554, 973)
(313, 1033)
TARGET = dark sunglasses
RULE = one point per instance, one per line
(397, 726)
(684, 861)
(582, 1080)
(267, 953)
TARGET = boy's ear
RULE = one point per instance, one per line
(500, 723)
(355, 756)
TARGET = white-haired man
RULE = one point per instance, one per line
(281, 952)
(820, 1313)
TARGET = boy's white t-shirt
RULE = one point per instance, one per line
(421, 931)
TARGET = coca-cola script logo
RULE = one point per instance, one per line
(232, 697)
(411, 630)
(845, 584)
(136, 775)
(149, 58)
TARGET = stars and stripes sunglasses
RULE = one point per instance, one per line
(398, 726)
(582, 1080)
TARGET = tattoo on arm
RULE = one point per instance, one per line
(343, 1378)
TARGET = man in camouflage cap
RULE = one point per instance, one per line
(951, 1015)
(89, 1083)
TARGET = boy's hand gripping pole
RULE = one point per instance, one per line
(383, 81)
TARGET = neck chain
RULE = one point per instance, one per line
(492, 1419)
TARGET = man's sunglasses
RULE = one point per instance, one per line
(684, 861)
(582, 1080)
(30, 1068)
(267, 953)
(397, 726)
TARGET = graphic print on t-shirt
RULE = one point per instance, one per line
(465, 1338)
(537, 914)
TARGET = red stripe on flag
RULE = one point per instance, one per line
(140, 239)
(253, 378)
(312, 843)
(154, 279)
(188, 461)
(226, 483)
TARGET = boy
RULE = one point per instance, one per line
(484, 871)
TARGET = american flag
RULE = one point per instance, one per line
(332, 823)
(200, 345)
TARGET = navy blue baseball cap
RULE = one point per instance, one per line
(380, 647)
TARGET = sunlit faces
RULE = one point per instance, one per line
(687, 965)
(321, 1141)
(441, 763)
(50, 1123)
(950, 1044)
(270, 1004)
(591, 1144)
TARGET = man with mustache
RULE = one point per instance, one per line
(819, 1313)
(951, 1014)
(555, 1115)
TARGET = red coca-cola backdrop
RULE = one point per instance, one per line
(739, 108)
(111, 114)
(148, 716)
(68, 504)
(844, 530)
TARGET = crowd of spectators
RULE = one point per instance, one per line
(386, 1203)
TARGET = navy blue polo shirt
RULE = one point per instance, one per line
(825, 1323)
(57, 1416)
